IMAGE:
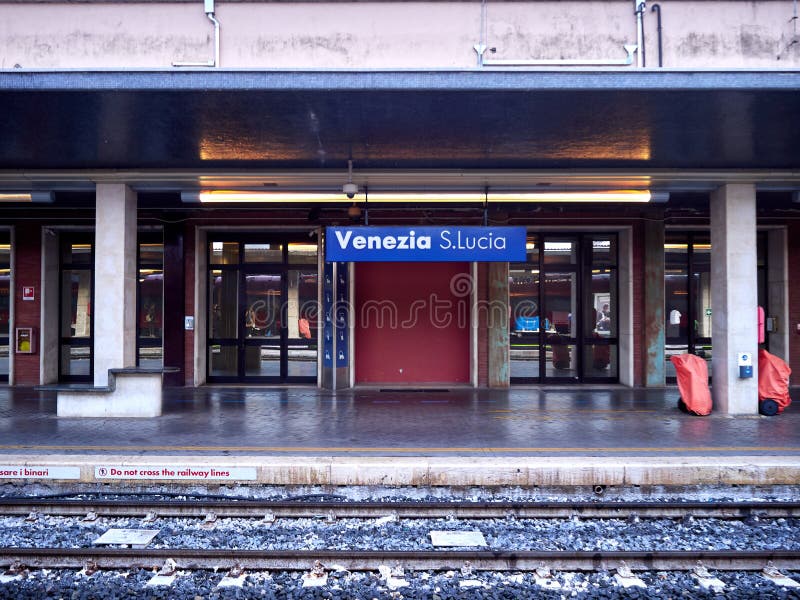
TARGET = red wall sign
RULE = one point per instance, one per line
(29, 293)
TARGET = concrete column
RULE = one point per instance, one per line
(654, 323)
(734, 297)
(497, 322)
(115, 280)
(51, 326)
(625, 308)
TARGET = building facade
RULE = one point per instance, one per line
(169, 172)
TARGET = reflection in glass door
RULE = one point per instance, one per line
(563, 325)
(263, 324)
(262, 310)
(76, 316)
(559, 296)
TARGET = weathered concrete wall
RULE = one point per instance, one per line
(730, 33)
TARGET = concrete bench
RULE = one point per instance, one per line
(131, 392)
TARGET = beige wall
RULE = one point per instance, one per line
(706, 33)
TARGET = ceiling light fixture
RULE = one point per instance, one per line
(423, 197)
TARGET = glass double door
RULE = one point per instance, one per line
(563, 305)
(262, 312)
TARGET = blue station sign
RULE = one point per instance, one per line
(425, 244)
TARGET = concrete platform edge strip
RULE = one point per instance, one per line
(402, 471)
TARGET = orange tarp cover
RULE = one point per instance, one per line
(773, 379)
(692, 373)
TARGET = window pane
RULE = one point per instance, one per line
(559, 303)
(600, 360)
(263, 300)
(152, 358)
(263, 253)
(701, 288)
(302, 321)
(676, 290)
(263, 360)
(75, 360)
(5, 251)
(223, 304)
(561, 359)
(224, 253)
(601, 320)
(560, 252)
(222, 361)
(604, 251)
(151, 308)
(302, 254)
(151, 254)
(524, 298)
(77, 254)
(76, 298)
(524, 357)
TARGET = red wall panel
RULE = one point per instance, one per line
(27, 272)
(411, 323)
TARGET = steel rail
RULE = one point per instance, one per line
(419, 510)
(359, 560)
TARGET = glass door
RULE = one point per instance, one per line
(262, 322)
(563, 303)
(263, 326)
(559, 304)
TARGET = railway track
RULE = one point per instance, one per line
(497, 559)
(234, 508)
(479, 560)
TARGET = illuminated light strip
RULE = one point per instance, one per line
(616, 196)
(26, 196)
(224, 196)
(243, 197)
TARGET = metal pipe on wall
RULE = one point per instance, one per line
(657, 9)
(639, 8)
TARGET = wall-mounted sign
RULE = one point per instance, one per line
(425, 244)
(25, 340)
(29, 293)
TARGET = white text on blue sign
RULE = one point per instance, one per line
(423, 244)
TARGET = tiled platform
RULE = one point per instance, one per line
(522, 436)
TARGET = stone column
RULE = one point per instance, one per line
(497, 322)
(734, 297)
(114, 280)
(654, 323)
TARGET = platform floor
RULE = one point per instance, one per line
(276, 429)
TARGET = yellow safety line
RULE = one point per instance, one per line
(573, 411)
(321, 449)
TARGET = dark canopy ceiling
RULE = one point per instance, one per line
(485, 119)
